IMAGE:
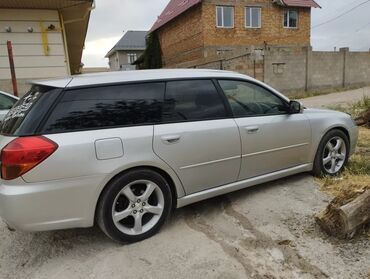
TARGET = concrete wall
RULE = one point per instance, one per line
(325, 69)
(357, 68)
(284, 68)
(292, 69)
(297, 69)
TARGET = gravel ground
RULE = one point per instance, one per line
(266, 231)
(337, 99)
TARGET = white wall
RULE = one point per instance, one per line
(29, 57)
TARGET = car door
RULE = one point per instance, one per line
(272, 139)
(197, 138)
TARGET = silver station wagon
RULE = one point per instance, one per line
(124, 149)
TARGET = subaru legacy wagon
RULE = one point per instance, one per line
(124, 149)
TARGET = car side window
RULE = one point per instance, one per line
(6, 102)
(248, 99)
(192, 100)
(106, 107)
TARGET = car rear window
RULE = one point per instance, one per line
(107, 107)
(23, 109)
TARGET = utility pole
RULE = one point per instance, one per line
(12, 68)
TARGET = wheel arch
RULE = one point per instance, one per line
(335, 127)
(163, 173)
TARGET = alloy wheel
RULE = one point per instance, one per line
(334, 155)
(138, 207)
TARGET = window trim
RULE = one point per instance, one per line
(284, 101)
(41, 128)
(288, 22)
(250, 17)
(233, 17)
(129, 56)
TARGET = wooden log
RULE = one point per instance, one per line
(363, 119)
(344, 221)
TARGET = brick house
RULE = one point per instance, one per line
(201, 30)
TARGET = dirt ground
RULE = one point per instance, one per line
(337, 99)
(266, 231)
(261, 232)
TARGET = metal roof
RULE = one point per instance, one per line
(177, 7)
(173, 9)
(132, 40)
(40, 4)
(299, 3)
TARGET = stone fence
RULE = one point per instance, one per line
(294, 69)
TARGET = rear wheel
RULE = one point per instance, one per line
(134, 206)
(332, 154)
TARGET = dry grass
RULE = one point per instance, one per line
(356, 178)
(354, 109)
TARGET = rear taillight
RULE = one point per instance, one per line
(23, 154)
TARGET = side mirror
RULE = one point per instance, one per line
(295, 107)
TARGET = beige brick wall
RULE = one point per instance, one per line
(182, 39)
(194, 35)
(272, 30)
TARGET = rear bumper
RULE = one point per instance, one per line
(51, 205)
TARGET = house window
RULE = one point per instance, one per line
(290, 18)
(225, 16)
(132, 57)
(253, 17)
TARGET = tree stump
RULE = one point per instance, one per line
(344, 221)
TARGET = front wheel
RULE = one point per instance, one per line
(332, 154)
(134, 206)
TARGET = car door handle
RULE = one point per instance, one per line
(170, 139)
(252, 129)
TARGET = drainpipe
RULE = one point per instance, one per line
(12, 68)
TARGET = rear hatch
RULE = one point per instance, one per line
(28, 114)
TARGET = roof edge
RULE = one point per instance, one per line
(172, 11)
(313, 4)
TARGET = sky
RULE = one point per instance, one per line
(111, 18)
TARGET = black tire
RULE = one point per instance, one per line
(104, 213)
(318, 166)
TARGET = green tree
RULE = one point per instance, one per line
(152, 56)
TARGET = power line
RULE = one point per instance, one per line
(342, 14)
